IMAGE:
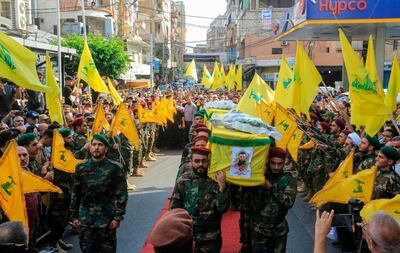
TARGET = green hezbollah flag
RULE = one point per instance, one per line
(53, 101)
(242, 156)
(257, 91)
(18, 64)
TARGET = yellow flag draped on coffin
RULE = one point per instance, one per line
(123, 122)
(266, 112)
(390, 206)
(394, 86)
(294, 143)
(287, 91)
(87, 71)
(285, 124)
(367, 106)
(344, 170)
(100, 121)
(239, 78)
(18, 64)
(114, 93)
(257, 91)
(53, 101)
(207, 79)
(62, 158)
(12, 199)
(359, 186)
(242, 156)
(191, 70)
(307, 78)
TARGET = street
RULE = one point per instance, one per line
(151, 194)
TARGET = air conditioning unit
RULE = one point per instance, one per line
(19, 14)
(284, 43)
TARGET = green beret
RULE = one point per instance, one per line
(65, 132)
(374, 142)
(200, 113)
(329, 114)
(25, 139)
(102, 138)
(390, 152)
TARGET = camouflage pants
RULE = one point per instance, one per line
(267, 244)
(245, 231)
(136, 159)
(57, 216)
(98, 240)
(150, 144)
(208, 246)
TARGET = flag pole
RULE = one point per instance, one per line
(60, 69)
(85, 39)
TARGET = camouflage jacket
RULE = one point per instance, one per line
(270, 206)
(99, 193)
(79, 142)
(387, 184)
(364, 161)
(201, 197)
(186, 152)
(191, 133)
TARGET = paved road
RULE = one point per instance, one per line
(152, 191)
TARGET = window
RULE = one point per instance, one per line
(328, 49)
(395, 45)
(276, 50)
(5, 9)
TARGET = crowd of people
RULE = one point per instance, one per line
(94, 198)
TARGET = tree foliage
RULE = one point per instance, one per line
(108, 54)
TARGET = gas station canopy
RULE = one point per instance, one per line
(321, 19)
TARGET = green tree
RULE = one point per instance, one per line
(108, 54)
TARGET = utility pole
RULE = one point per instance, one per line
(60, 69)
(121, 19)
(151, 55)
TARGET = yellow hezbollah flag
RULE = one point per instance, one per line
(100, 121)
(390, 206)
(257, 91)
(242, 156)
(294, 143)
(114, 93)
(216, 84)
(394, 86)
(285, 124)
(307, 78)
(87, 71)
(18, 64)
(191, 70)
(207, 79)
(164, 107)
(123, 122)
(239, 78)
(344, 170)
(370, 67)
(367, 106)
(62, 158)
(287, 92)
(265, 112)
(230, 78)
(145, 116)
(359, 186)
(171, 105)
(308, 145)
(222, 75)
(53, 101)
(33, 183)
(159, 113)
(12, 199)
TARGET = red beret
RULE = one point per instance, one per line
(174, 228)
(199, 125)
(325, 126)
(313, 116)
(346, 131)
(340, 123)
(143, 103)
(77, 122)
(199, 137)
(277, 152)
(202, 129)
(200, 150)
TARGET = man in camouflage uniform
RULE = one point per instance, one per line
(198, 119)
(387, 182)
(58, 215)
(365, 159)
(152, 127)
(199, 130)
(204, 199)
(270, 204)
(136, 154)
(99, 199)
(80, 140)
(144, 137)
(185, 166)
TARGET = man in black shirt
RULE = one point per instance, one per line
(8, 96)
(67, 90)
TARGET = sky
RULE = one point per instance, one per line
(203, 8)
